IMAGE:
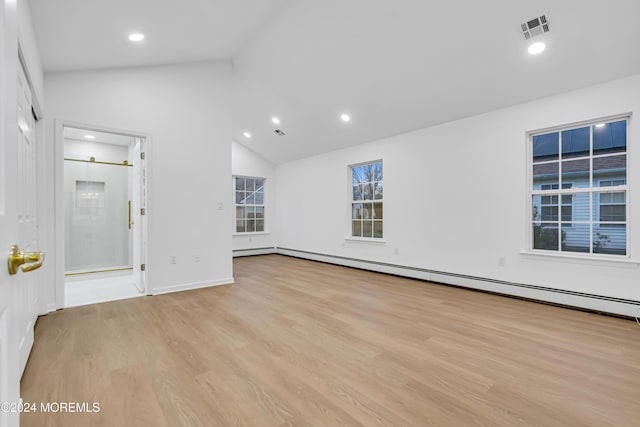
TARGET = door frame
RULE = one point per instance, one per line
(59, 126)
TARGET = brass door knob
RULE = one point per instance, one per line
(27, 261)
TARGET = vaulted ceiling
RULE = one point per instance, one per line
(90, 34)
(394, 66)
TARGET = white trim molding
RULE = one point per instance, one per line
(253, 251)
(191, 286)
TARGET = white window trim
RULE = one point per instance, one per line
(575, 256)
(575, 190)
(234, 204)
(366, 239)
(349, 235)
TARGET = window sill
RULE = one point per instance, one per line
(587, 259)
(364, 239)
(253, 233)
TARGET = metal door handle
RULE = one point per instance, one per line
(130, 222)
(31, 260)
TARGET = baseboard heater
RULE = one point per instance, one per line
(254, 251)
(342, 260)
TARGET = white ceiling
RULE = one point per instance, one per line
(83, 34)
(395, 66)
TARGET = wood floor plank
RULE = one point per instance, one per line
(301, 343)
(133, 383)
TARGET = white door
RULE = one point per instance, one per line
(18, 225)
(27, 220)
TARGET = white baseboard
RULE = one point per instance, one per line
(599, 303)
(397, 270)
(253, 251)
(191, 286)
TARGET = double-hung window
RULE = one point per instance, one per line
(579, 189)
(249, 194)
(613, 206)
(549, 205)
(366, 200)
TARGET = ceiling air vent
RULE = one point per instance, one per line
(279, 132)
(535, 27)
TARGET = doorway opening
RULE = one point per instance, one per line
(103, 216)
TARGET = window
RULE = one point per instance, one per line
(613, 206)
(549, 204)
(366, 200)
(249, 194)
(579, 188)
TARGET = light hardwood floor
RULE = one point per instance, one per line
(300, 343)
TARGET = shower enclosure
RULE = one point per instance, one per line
(98, 177)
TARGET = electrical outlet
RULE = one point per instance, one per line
(220, 206)
(501, 261)
(396, 251)
(173, 259)
(196, 258)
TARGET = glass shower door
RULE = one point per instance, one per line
(97, 216)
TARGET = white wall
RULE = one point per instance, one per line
(455, 201)
(185, 110)
(246, 162)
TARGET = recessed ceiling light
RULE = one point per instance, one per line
(136, 37)
(536, 48)
(275, 120)
(345, 117)
(90, 137)
(600, 125)
(247, 135)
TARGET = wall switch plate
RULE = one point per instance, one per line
(173, 259)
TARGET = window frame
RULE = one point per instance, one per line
(610, 223)
(373, 201)
(591, 191)
(236, 205)
(560, 204)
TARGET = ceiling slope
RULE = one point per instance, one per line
(394, 66)
(90, 34)
(408, 64)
